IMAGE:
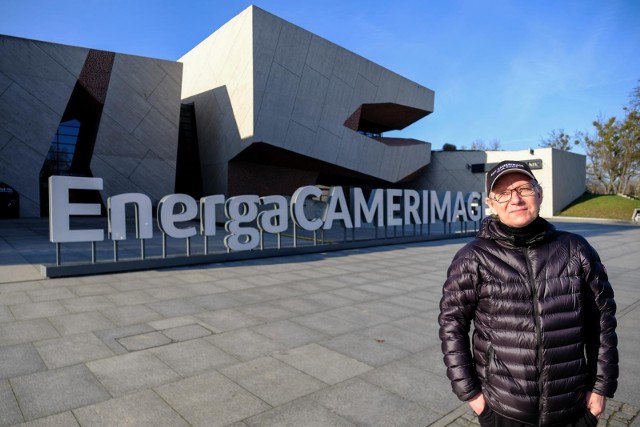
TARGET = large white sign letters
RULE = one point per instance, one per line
(270, 214)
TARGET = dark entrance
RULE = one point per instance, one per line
(9, 202)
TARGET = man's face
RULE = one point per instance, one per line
(519, 211)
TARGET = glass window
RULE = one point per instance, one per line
(63, 145)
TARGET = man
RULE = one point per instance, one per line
(544, 342)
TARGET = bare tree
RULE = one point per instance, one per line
(481, 145)
(634, 104)
(557, 138)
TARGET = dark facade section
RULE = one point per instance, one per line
(9, 202)
(263, 169)
(72, 145)
(383, 117)
(188, 172)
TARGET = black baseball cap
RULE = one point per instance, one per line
(505, 167)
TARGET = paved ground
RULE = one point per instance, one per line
(335, 339)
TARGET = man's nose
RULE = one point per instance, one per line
(516, 198)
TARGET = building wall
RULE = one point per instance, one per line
(260, 85)
(450, 171)
(218, 80)
(36, 80)
(260, 79)
(306, 87)
(569, 178)
(136, 142)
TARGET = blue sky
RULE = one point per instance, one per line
(506, 70)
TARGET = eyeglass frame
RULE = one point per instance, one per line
(534, 186)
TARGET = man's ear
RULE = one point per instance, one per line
(489, 202)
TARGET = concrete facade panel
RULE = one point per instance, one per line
(416, 157)
(36, 88)
(414, 95)
(209, 118)
(5, 137)
(310, 98)
(71, 58)
(389, 87)
(206, 64)
(125, 105)
(217, 78)
(164, 96)
(139, 122)
(326, 147)
(569, 180)
(20, 168)
(300, 139)
(293, 47)
(242, 106)
(266, 31)
(337, 107)
(173, 72)
(28, 64)
(383, 161)
(321, 55)
(277, 106)
(392, 163)
(116, 141)
(364, 93)
(5, 82)
(23, 57)
(115, 183)
(358, 152)
(355, 147)
(154, 176)
(141, 75)
(370, 71)
(450, 170)
(18, 108)
(346, 66)
(159, 134)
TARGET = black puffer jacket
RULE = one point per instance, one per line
(544, 324)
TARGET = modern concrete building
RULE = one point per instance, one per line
(278, 108)
(259, 107)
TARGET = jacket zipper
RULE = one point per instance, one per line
(536, 321)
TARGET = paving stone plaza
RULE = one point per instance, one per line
(344, 338)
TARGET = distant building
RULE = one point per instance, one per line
(259, 107)
(561, 174)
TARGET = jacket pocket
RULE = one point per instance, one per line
(490, 361)
(487, 417)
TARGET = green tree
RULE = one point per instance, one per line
(614, 152)
(560, 140)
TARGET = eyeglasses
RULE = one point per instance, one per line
(526, 190)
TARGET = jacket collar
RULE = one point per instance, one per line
(491, 229)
